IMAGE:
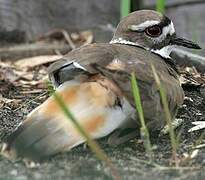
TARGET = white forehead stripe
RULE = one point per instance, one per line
(166, 30)
(143, 25)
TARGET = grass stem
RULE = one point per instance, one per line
(125, 6)
(167, 113)
(143, 130)
(160, 6)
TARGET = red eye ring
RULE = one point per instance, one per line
(153, 31)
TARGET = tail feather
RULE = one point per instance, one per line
(40, 139)
(47, 131)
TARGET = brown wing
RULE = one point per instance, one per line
(63, 70)
(149, 91)
(117, 62)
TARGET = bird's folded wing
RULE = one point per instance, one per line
(111, 62)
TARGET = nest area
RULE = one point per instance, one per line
(22, 88)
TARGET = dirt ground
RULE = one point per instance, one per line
(129, 158)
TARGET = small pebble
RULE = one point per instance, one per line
(14, 172)
(21, 177)
(37, 176)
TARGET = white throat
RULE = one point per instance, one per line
(163, 52)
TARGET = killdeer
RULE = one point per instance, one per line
(94, 81)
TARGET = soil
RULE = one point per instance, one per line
(130, 158)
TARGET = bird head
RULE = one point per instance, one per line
(150, 30)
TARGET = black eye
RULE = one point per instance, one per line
(153, 31)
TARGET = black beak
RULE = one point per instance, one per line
(183, 42)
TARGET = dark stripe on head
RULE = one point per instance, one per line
(165, 21)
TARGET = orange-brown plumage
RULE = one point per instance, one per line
(92, 124)
(47, 130)
(68, 95)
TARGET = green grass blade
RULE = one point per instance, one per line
(93, 145)
(143, 130)
(167, 112)
(160, 6)
(125, 8)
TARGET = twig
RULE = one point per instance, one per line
(68, 39)
(30, 50)
(32, 100)
(199, 146)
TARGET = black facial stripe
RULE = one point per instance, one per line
(166, 41)
(165, 22)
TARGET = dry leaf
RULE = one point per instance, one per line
(5, 64)
(36, 61)
(87, 36)
(4, 101)
(83, 38)
(7, 72)
(190, 76)
(198, 125)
